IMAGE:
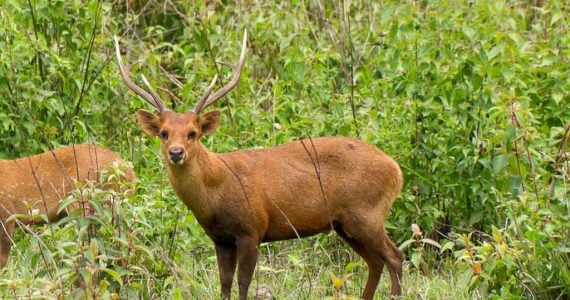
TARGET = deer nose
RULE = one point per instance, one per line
(176, 155)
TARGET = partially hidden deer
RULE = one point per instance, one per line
(245, 198)
(36, 185)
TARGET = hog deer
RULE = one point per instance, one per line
(245, 198)
(41, 182)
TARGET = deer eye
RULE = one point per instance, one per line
(164, 134)
(192, 135)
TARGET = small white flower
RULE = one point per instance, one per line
(416, 230)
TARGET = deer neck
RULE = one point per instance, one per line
(198, 182)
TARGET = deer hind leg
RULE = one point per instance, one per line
(6, 231)
(379, 249)
(375, 265)
(393, 258)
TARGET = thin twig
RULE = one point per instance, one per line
(171, 77)
(517, 155)
(317, 166)
(558, 162)
(346, 18)
(171, 94)
(516, 124)
(240, 183)
(87, 62)
(39, 54)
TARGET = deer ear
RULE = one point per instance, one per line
(149, 122)
(210, 122)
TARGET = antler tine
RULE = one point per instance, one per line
(154, 95)
(125, 70)
(233, 82)
(204, 97)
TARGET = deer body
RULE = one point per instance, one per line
(41, 181)
(299, 189)
(272, 186)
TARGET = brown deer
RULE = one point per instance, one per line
(244, 198)
(40, 182)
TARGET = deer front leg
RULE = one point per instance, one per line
(227, 258)
(247, 259)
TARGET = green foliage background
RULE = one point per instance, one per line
(470, 97)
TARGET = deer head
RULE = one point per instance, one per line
(180, 133)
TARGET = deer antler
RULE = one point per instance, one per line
(206, 100)
(152, 98)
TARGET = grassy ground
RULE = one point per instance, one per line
(178, 262)
(303, 269)
(288, 285)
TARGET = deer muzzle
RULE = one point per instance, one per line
(176, 155)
